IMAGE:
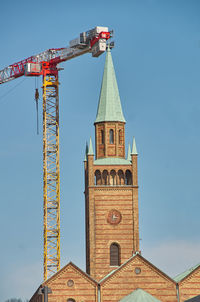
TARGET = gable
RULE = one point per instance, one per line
(70, 282)
(189, 286)
(138, 273)
(69, 267)
(186, 273)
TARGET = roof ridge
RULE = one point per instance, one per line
(115, 270)
(185, 273)
(65, 267)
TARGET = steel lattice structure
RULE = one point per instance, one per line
(51, 173)
(45, 63)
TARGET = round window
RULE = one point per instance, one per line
(70, 283)
(137, 270)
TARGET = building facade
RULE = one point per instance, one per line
(111, 186)
(115, 269)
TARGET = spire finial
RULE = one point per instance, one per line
(134, 149)
(108, 47)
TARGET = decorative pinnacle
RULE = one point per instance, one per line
(90, 151)
(129, 152)
(86, 151)
(134, 149)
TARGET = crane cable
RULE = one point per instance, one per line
(36, 97)
(11, 89)
(36, 102)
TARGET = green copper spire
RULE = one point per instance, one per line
(90, 151)
(129, 152)
(134, 149)
(109, 108)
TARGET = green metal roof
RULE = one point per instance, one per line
(109, 108)
(109, 274)
(181, 276)
(90, 151)
(123, 264)
(111, 161)
(139, 295)
(86, 152)
(134, 149)
(129, 153)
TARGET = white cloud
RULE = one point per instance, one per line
(173, 257)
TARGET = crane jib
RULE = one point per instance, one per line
(93, 41)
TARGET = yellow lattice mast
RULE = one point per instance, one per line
(51, 171)
(45, 64)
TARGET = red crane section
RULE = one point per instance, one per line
(93, 41)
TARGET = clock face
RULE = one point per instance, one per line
(114, 217)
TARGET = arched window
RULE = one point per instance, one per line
(111, 136)
(128, 177)
(105, 177)
(97, 177)
(120, 137)
(114, 254)
(113, 178)
(71, 300)
(120, 177)
(102, 136)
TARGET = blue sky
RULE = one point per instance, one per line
(157, 63)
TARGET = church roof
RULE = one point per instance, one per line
(137, 254)
(112, 161)
(183, 275)
(62, 270)
(90, 151)
(109, 108)
(139, 295)
(115, 270)
(86, 152)
(59, 274)
(134, 148)
(129, 153)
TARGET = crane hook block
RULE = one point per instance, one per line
(36, 94)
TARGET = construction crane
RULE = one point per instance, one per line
(46, 64)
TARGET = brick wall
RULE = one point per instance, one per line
(125, 280)
(82, 288)
(104, 148)
(190, 286)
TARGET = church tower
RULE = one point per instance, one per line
(111, 185)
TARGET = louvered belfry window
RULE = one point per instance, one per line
(102, 136)
(111, 138)
(114, 254)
